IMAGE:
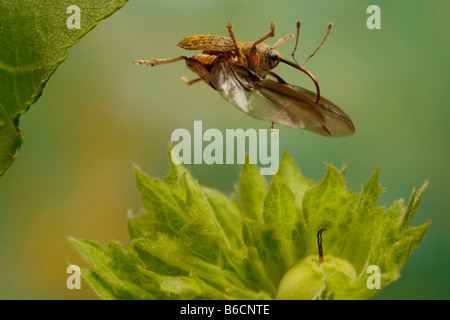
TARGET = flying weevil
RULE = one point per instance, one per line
(241, 72)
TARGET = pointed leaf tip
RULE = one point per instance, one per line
(413, 204)
(371, 190)
(251, 190)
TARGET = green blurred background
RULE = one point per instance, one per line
(99, 113)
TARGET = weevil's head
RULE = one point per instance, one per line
(272, 57)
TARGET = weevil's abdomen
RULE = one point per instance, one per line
(205, 59)
(207, 43)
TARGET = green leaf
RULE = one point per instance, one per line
(365, 227)
(193, 242)
(284, 228)
(34, 39)
(101, 287)
(413, 204)
(251, 190)
(162, 211)
(228, 216)
(203, 231)
(328, 205)
(115, 272)
(291, 175)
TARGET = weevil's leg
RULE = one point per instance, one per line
(191, 82)
(279, 79)
(325, 38)
(142, 62)
(230, 31)
(241, 59)
(272, 130)
(157, 62)
(274, 117)
(282, 41)
(270, 34)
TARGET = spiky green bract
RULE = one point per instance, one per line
(193, 242)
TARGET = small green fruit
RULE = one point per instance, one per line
(306, 279)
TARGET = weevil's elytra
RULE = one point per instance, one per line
(239, 71)
(207, 43)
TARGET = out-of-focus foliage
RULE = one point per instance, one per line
(34, 37)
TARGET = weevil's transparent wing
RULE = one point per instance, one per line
(277, 102)
(337, 122)
(254, 96)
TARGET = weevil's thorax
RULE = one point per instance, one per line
(259, 57)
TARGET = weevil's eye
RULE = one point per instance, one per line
(273, 58)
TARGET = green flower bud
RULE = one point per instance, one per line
(305, 280)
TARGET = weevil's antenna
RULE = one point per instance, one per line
(319, 244)
(296, 42)
(326, 36)
(282, 41)
(297, 66)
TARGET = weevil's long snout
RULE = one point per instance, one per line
(309, 74)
